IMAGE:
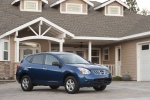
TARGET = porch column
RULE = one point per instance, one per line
(89, 50)
(61, 47)
(17, 51)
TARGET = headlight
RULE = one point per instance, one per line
(84, 71)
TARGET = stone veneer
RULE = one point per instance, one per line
(7, 70)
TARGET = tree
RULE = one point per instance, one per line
(145, 12)
(132, 5)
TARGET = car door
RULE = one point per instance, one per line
(36, 68)
(53, 73)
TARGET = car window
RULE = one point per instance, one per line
(29, 58)
(50, 59)
(38, 59)
(72, 59)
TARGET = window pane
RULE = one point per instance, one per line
(145, 47)
(29, 58)
(73, 8)
(27, 51)
(50, 59)
(31, 5)
(113, 10)
(80, 53)
(38, 59)
(119, 55)
(5, 55)
(106, 57)
(95, 52)
(5, 45)
(95, 60)
(105, 51)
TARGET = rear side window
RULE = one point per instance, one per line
(38, 59)
(29, 58)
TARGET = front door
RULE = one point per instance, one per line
(28, 48)
(53, 74)
(118, 60)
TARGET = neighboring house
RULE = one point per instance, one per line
(104, 33)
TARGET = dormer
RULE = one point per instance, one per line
(112, 8)
(30, 5)
(72, 6)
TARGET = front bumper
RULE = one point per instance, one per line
(95, 80)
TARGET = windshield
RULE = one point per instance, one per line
(72, 59)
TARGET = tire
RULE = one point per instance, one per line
(100, 88)
(26, 83)
(71, 85)
(54, 87)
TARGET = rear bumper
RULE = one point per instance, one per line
(95, 80)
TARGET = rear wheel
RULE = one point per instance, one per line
(71, 85)
(100, 88)
(26, 83)
(54, 87)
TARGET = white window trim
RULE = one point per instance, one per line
(2, 49)
(113, 14)
(37, 10)
(70, 12)
(107, 48)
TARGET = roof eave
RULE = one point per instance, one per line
(103, 5)
(16, 1)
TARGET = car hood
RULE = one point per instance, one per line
(89, 66)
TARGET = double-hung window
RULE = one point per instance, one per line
(106, 54)
(73, 8)
(114, 10)
(5, 50)
(31, 5)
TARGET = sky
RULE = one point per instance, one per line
(141, 3)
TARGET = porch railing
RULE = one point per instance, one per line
(111, 67)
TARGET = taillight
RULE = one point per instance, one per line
(18, 66)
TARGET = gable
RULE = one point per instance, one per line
(109, 2)
(115, 4)
(61, 1)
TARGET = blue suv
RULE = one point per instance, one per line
(56, 69)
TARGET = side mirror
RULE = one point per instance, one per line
(56, 64)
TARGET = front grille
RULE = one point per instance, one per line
(99, 72)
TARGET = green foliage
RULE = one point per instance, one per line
(132, 5)
(117, 78)
(145, 12)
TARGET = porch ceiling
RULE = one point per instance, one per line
(85, 42)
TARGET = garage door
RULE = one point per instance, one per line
(145, 62)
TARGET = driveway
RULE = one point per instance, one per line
(115, 91)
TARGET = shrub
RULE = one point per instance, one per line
(117, 78)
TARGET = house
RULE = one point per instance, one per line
(104, 33)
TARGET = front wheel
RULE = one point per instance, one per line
(100, 88)
(26, 83)
(71, 85)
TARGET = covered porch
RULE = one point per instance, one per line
(41, 35)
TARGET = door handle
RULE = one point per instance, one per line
(44, 68)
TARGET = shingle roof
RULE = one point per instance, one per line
(94, 24)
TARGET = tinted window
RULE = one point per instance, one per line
(50, 59)
(72, 59)
(38, 59)
(29, 58)
(145, 47)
